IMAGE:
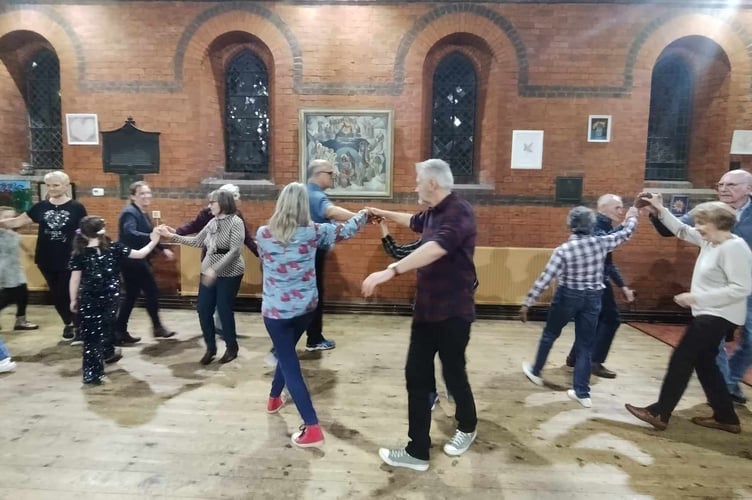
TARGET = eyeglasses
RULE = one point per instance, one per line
(729, 185)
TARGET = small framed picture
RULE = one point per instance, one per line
(527, 149)
(679, 205)
(599, 128)
(82, 128)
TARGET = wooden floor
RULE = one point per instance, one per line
(165, 427)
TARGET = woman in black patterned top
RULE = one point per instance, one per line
(221, 272)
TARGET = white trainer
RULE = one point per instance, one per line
(583, 401)
(528, 371)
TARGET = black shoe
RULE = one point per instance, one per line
(739, 400)
(601, 371)
(125, 339)
(229, 355)
(163, 333)
(570, 362)
(68, 332)
(116, 356)
(207, 358)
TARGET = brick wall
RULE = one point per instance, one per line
(540, 66)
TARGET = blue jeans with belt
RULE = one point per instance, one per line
(583, 306)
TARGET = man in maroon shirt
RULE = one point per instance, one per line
(444, 309)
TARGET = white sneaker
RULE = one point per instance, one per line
(7, 365)
(528, 371)
(583, 401)
(459, 443)
(270, 359)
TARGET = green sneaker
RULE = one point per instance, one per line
(401, 458)
(459, 443)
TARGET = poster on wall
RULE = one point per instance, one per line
(527, 149)
(358, 143)
(741, 142)
(679, 205)
(15, 193)
(82, 128)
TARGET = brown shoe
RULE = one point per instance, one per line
(645, 415)
(712, 423)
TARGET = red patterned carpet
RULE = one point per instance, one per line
(672, 334)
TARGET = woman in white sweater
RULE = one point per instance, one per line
(721, 283)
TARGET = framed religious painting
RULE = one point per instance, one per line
(358, 144)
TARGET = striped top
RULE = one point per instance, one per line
(223, 239)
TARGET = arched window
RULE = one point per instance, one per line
(247, 114)
(43, 106)
(455, 96)
(670, 115)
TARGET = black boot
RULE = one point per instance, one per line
(162, 333)
(208, 356)
(125, 339)
(230, 354)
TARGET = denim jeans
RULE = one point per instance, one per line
(584, 306)
(735, 366)
(285, 334)
(220, 296)
(609, 320)
(3, 350)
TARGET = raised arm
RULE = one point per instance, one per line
(400, 218)
(145, 251)
(328, 234)
(680, 229)
(16, 222)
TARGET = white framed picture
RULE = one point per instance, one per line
(741, 142)
(599, 128)
(82, 128)
(527, 149)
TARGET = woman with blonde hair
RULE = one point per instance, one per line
(721, 283)
(287, 248)
(58, 217)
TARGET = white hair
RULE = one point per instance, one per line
(437, 170)
(231, 188)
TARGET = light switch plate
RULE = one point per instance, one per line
(156, 214)
(97, 192)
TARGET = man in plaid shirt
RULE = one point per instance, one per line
(578, 265)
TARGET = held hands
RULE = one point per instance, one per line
(154, 236)
(165, 230)
(651, 201)
(684, 299)
(522, 314)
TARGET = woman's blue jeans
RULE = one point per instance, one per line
(583, 306)
(220, 296)
(285, 334)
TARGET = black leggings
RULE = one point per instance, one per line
(18, 295)
(58, 282)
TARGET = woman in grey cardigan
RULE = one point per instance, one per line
(721, 283)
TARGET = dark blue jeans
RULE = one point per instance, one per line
(220, 296)
(583, 306)
(285, 334)
(609, 320)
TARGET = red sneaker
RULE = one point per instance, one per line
(308, 436)
(274, 404)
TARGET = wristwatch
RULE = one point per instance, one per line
(393, 267)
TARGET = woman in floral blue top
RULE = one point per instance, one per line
(287, 247)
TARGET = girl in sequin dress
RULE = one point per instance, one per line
(95, 291)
